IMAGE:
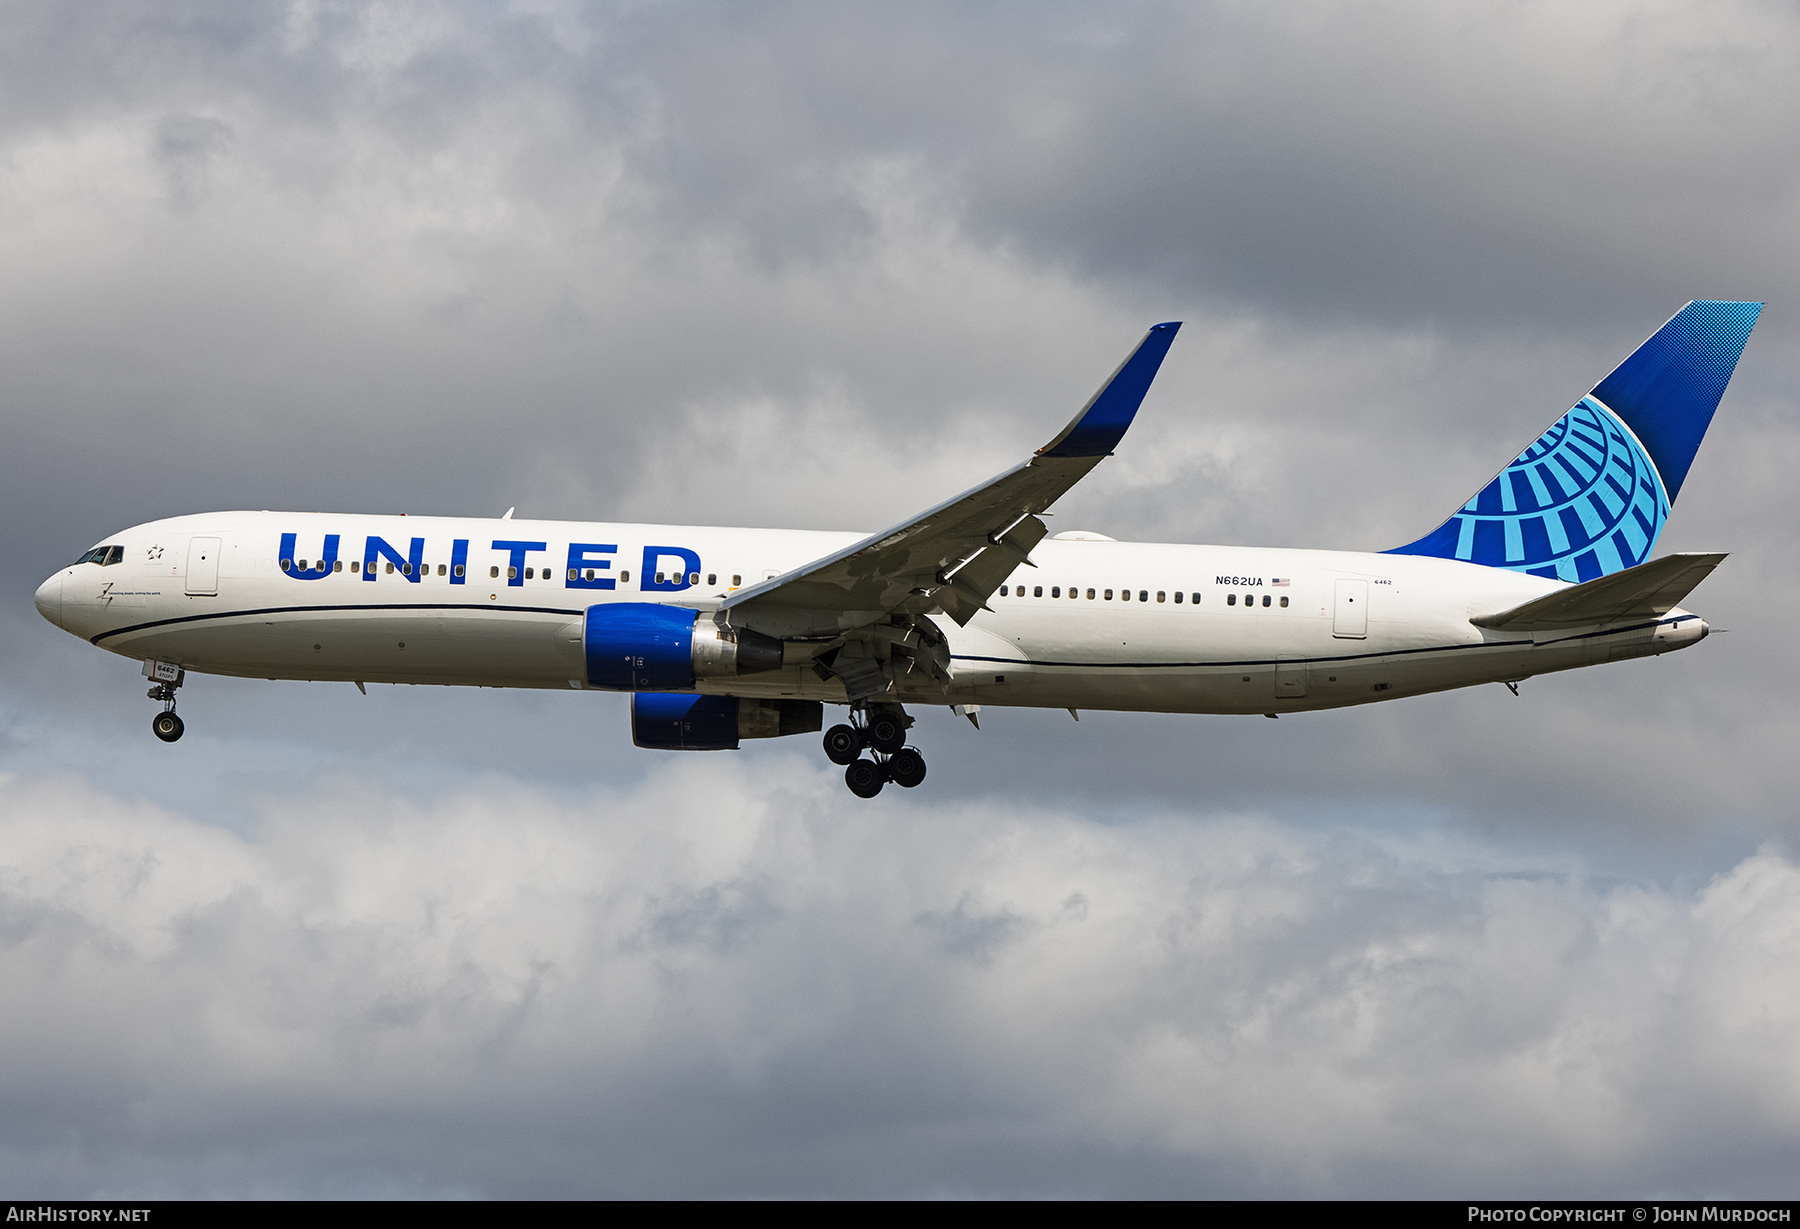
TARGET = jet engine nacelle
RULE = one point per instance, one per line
(716, 723)
(642, 646)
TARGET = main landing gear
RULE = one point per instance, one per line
(881, 730)
(164, 678)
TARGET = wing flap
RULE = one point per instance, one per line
(1647, 591)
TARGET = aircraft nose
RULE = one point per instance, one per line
(49, 599)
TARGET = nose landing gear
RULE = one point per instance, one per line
(164, 678)
(881, 730)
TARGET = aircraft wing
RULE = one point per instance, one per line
(1647, 591)
(953, 556)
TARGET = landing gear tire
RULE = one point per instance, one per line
(906, 767)
(166, 726)
(887, 731)
(865, 778)
(842, 744)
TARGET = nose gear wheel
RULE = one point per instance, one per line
(166, 726)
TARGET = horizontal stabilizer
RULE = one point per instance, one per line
(1647, 591)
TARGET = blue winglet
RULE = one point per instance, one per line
(1102, 423)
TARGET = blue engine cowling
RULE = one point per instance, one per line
(716, 723)
(644, 646)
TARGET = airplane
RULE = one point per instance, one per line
(723, 635)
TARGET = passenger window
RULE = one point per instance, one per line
(390, 567)
(1144, 595)
(659, 578)
(693, 578)
(1177, 598)
(1160, 596)
(530, 573)
(1231, 599)
(737, 578)
(1091, 594)
(493, 572)
(442, 569)
(458, 569)
(623, 577)
(1108, 595)
(1267, 600)
(512, 573)
(1196, 599)
(1003, 591)
(1037, 591)
(287, 565)
(337, 565)
(406, 569)
(1284, 601)
(302, 566)
(712, 579)
(354, 565)
(1055, 590)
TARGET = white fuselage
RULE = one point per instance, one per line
(1254, 630)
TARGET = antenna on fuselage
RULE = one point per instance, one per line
(508, 515)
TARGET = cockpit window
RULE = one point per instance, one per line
(104, 556)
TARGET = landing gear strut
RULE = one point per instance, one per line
(164, 678)
(882, 730)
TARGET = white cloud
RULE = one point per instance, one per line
(1254, 1006)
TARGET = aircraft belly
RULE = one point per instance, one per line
(787, 683)
(476, 648)
(1225, 663)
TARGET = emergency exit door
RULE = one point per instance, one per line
(1350, 616)
(203, 566)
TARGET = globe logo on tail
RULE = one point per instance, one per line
(1583, 501)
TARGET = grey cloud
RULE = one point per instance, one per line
(471, 992)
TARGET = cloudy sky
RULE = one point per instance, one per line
(821, 265)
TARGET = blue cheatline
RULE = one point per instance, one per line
(1591, 495)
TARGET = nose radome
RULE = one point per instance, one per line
(49, 599)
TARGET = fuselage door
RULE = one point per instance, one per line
(203, 566)
(1350, 616)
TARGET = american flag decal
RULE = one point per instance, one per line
(1279, 582)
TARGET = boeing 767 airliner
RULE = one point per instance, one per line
(725, 634)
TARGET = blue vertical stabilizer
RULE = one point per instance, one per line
(1590, 496)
